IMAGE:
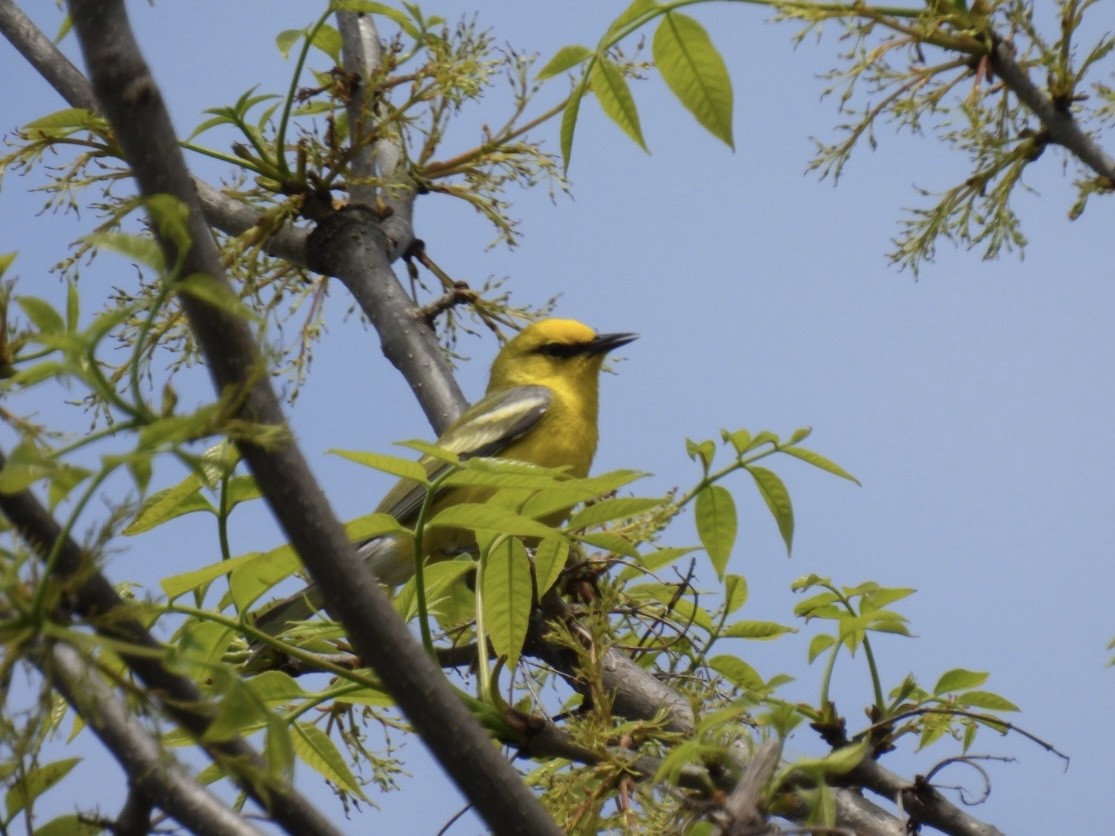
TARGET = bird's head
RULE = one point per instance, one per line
(554, 352)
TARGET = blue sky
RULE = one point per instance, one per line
(974, 403)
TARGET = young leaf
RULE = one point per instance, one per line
(776, 496)
(183, 498)
(317, 750)
(394, 465)
(485, 517)
(566, 58)
(612, 509)
(549, 559)
(738, 672)
(819, 644)
(959, 679)
(716, 525)
(735, 592)
(986, 700)
(695, 72)
(41, 314)
(756, 630)
(615, 98)
(819, 461)
(35, 782)
(507, 598)
(214, 293)
(569, 124)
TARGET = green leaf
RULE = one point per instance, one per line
(6, 260)
(482, 517)
(25, 466)
(565, 59)
(278, 746)
(395, 465)
(819, 461)
(740, 440)
(839, 762)
(277, 688)
(213, 292)
(319, 752)
(715, 513)
(610, 543)
(38, 780)
(70, 824)
(507, 598)
(756, 630)
(933, 726)
(171, 218)
(611, 90)
(63, 479)
(569, 123)
(959, 679)
(286, 40)
(737, 671)
(702, 451)
(695, 72)
(819, 644)
(73, 304)
(183, 498)
(41, 314)
(39, 372)
(250, 580)
(549, 560)
(631, 16)
(777, 498)
(439, 578)
(138, 248)
(612, 509)
(735, 592)
(328, 40)
(986, 700)
(77, 118)
(237, 712)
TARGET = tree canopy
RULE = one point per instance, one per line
(625, 679)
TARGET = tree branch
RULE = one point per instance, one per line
(1058, 121)
(361, 258)
(89, 594)
(920, 801)
(152, 773)
(406, 339)
(132, 102)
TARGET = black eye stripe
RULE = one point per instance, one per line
(560, 350)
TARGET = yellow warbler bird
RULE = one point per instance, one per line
(540, 407)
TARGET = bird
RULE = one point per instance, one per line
(540, 407)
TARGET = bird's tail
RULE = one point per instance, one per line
(298, 607)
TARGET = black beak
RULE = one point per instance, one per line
(603, 343)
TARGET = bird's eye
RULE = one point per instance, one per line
(559, 351)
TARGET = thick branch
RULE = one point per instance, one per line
(351, 245)
(133, 104)
(922, 803)
(152, 772)
(1058, 121)
(362, 258)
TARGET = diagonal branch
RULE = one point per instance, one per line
(1058, 121)
(132, 102)
(152, 773)
(90, 595)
